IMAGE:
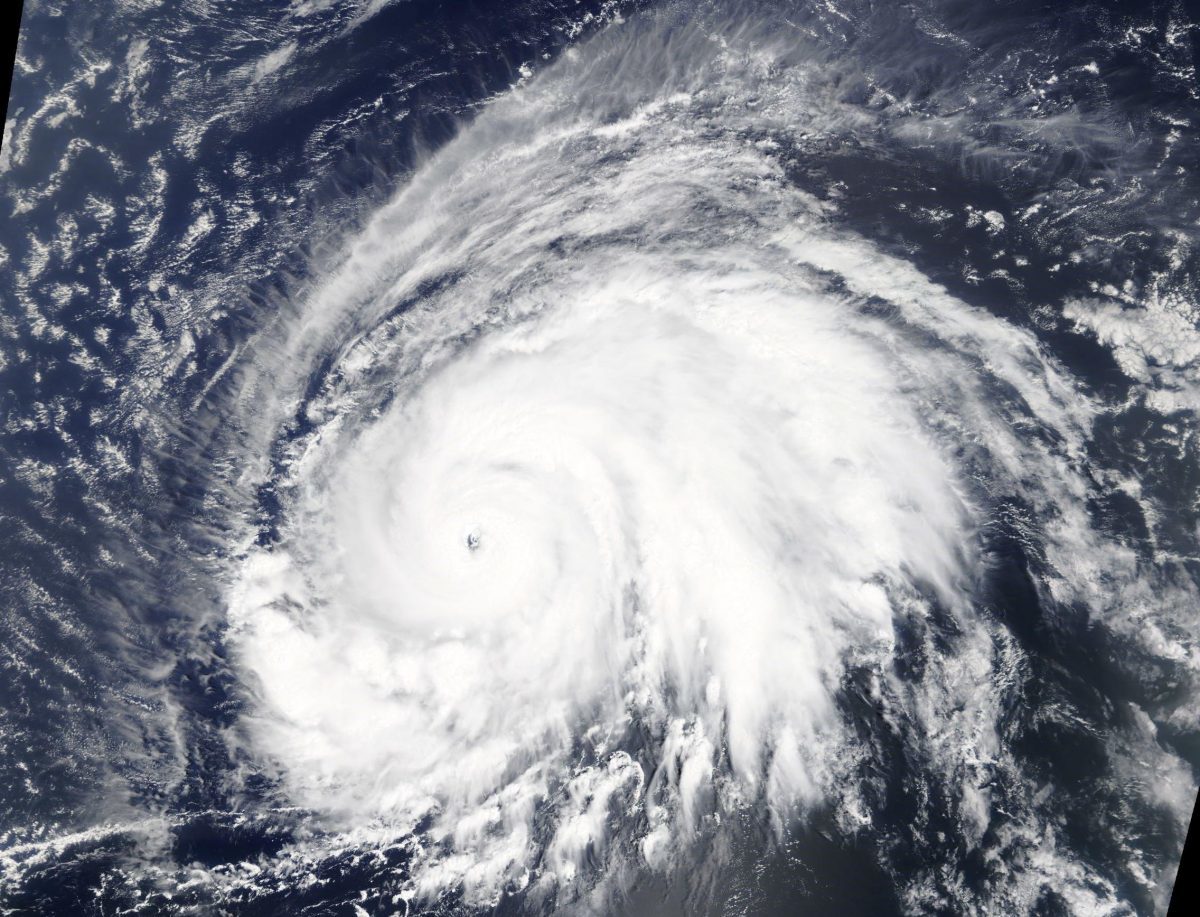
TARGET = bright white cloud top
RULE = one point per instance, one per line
(623, 457)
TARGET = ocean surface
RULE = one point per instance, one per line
(639, 458)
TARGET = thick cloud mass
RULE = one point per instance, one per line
(624, 457)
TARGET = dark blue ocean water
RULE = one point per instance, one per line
(162, 192)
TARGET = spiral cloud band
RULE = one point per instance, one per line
(620, 464)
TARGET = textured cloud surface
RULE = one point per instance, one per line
(624, 457)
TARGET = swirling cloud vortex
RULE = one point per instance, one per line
(616, 454)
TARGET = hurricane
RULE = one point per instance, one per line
(742, 459)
